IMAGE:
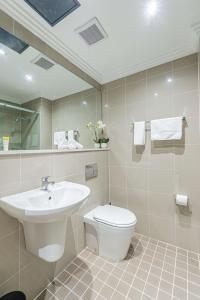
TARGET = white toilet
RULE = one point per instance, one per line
(109, 230)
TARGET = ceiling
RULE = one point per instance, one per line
(137, 38)
(51, 84)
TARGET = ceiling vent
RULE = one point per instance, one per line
(43, 63)
(53, 11)
(92, 32)
(12, 41)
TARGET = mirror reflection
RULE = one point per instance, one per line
(42, 105)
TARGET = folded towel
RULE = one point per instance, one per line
(166, 129)
(59, 138)
(72, 142)
(70, 135)
(139, 133)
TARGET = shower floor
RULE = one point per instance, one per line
(152, 270)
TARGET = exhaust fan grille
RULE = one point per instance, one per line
(92, 32)
(43, 63)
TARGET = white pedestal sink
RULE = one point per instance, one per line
(44, 216)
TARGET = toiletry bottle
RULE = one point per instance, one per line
(6, 140)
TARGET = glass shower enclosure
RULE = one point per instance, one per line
(21, 124)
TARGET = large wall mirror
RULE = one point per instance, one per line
(40, 100)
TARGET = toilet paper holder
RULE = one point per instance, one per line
(182, 205)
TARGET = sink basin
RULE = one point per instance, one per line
(61, 200)
(44, 216)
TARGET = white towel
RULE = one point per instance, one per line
(166, 129)
(59, 138)
(72, 143)
(70, 135)
(139, 133)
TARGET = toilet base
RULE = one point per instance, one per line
(111, 244)
(109, 230)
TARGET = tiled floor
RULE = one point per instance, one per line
(153, 270)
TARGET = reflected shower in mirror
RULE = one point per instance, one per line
(41, 100)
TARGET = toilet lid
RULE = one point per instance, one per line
(115, 216)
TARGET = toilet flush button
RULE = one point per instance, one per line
(91, 171)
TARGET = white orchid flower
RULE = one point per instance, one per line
(100, 124)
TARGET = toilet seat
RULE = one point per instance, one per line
(114, 216)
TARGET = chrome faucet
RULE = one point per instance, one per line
(46, 183)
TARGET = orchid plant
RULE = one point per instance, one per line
(98, 131)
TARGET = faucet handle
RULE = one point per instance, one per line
(45, 178)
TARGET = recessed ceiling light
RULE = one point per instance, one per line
(29, 77)
(156, 94)
(152, 8)
(2, 52)
(169, 79)
(106, 105)
(84, 102)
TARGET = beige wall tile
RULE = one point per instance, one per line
(188, 237)
(7, 224)
(185, 79)
(116, 116)
(159, 107)
(65, 165)
(9, 253)
(118, 196)
(136, 178)
(185, 61)
(136, 111)
(136, 91)
(117, 176)
(159, 84)
(10, 172)
(160, 181)
(162, 205)
(186, 104)
(142, 225)
(164, 68)
(162, 229)
(160, 169)
(135, 77)
(33, 167)
(137, 200)
(161, 158)
(26, 174)
(115, 97)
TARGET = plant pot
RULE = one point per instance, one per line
(97, 145)
(104, 145)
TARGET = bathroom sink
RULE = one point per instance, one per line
(44, 216)
(63, 199)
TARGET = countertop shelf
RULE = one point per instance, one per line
(49, 151)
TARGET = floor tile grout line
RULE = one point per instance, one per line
(150, 268)
(71, 274)
(79, 280)
(137, 268)
(122, 275)
(93, 264)
(166, 246)
(95, 276)
(85, 272)
(174, 274)
(161, 273)
(135, 275)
